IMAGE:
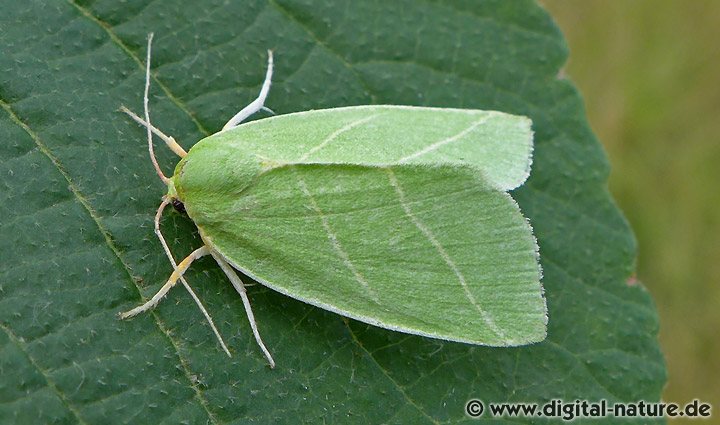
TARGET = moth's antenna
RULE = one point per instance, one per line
(147, 112)
(169, 140)
(257, 104)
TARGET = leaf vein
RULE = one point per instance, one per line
(72, 186)
(397, 385)
(108, 29)
(319, 42)
(50, 383)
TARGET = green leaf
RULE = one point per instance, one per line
(78, 194)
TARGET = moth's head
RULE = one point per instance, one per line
(172, 197)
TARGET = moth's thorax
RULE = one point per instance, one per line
(212, 171)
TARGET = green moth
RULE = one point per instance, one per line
(396, 216)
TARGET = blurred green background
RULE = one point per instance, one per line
(649, 71)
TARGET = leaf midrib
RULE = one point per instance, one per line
(72, 186)
(50, 382)
(108, 241)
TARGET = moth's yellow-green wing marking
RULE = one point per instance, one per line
(497, 143)
(433, 250)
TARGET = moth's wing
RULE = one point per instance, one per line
(428, 250)
(497, 143)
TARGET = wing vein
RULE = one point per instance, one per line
(332, 237)
(487, 317)
(335, 135)
(446, 141)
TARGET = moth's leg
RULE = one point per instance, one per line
(177, 274)
(240, 288)
(169, 140)
(195, 298)
(177, 271)
(257, 104)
